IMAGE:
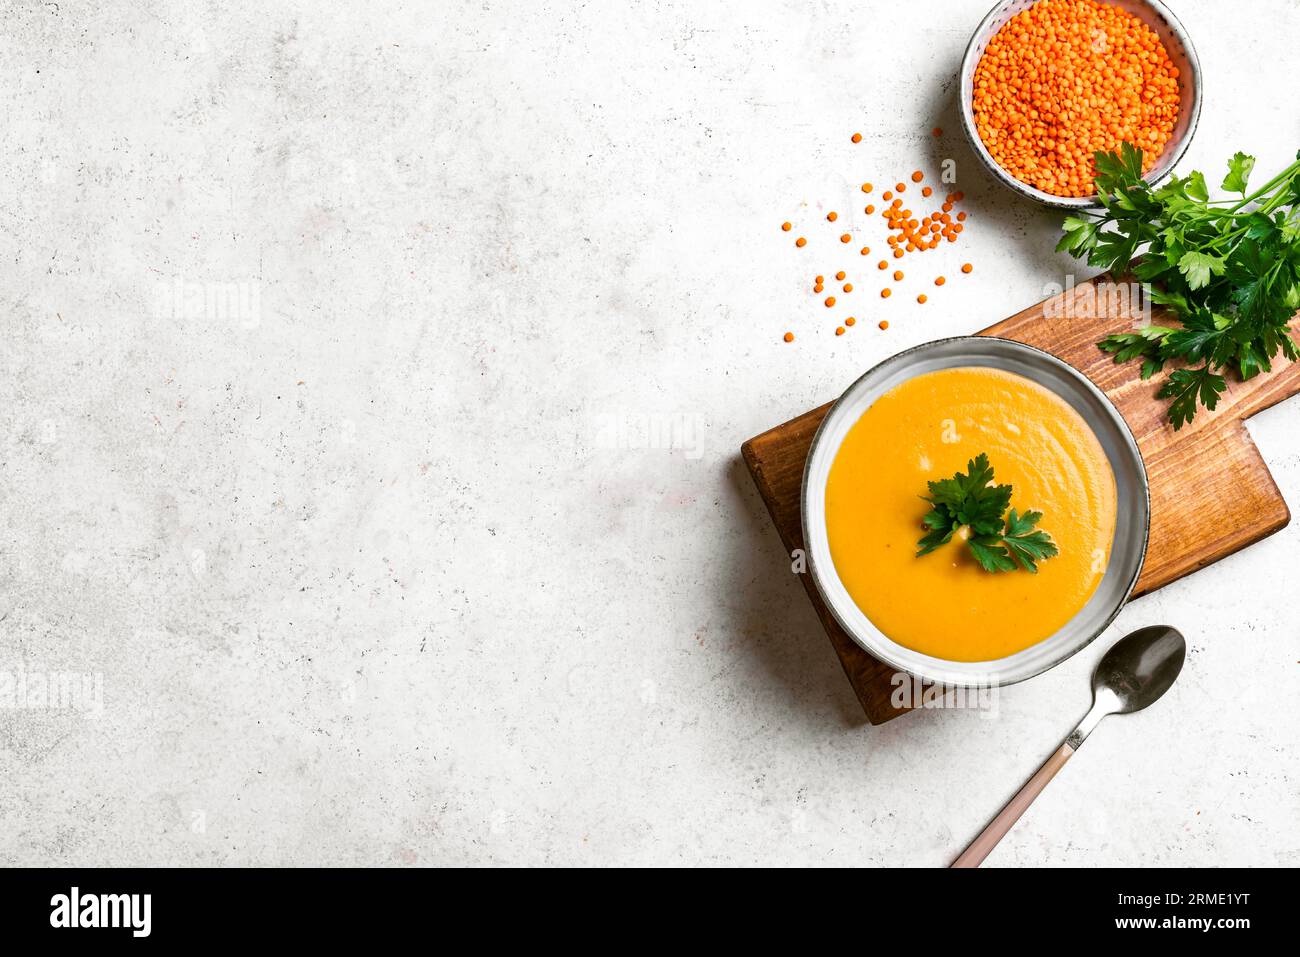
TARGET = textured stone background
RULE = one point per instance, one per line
(373, 565)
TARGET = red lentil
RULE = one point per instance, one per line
(1066, 78)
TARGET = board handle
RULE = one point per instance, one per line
(998, 827)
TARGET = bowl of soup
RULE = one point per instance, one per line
(926, 415)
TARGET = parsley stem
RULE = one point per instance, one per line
(1272, 184)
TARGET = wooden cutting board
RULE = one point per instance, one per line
(1200, 470)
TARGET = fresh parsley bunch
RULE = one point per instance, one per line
(973, 500)
(1229, 269)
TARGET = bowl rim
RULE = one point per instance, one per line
(966, 87)
(942, 675)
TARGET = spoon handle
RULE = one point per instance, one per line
(998, 827)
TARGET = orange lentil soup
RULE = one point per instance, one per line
(944, 604)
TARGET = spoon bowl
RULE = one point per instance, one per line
(1140, 667)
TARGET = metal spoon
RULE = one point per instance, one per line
(1137, 670)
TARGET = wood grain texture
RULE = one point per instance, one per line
(1210, 467)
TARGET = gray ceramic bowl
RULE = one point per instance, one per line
(1181, 52)
(1132, 520)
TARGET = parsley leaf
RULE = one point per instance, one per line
(990, 554)
(1199, 267)
(1188, 386)
(1147, 342)
(971, 499)
(1019, 543)
(1239, 168)
(1227, 270)
(1026, 544)
(1080, 235)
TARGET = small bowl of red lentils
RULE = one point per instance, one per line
(1045, 84)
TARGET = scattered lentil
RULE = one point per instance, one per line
(909, 233)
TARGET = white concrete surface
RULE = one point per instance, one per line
(367, 557)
